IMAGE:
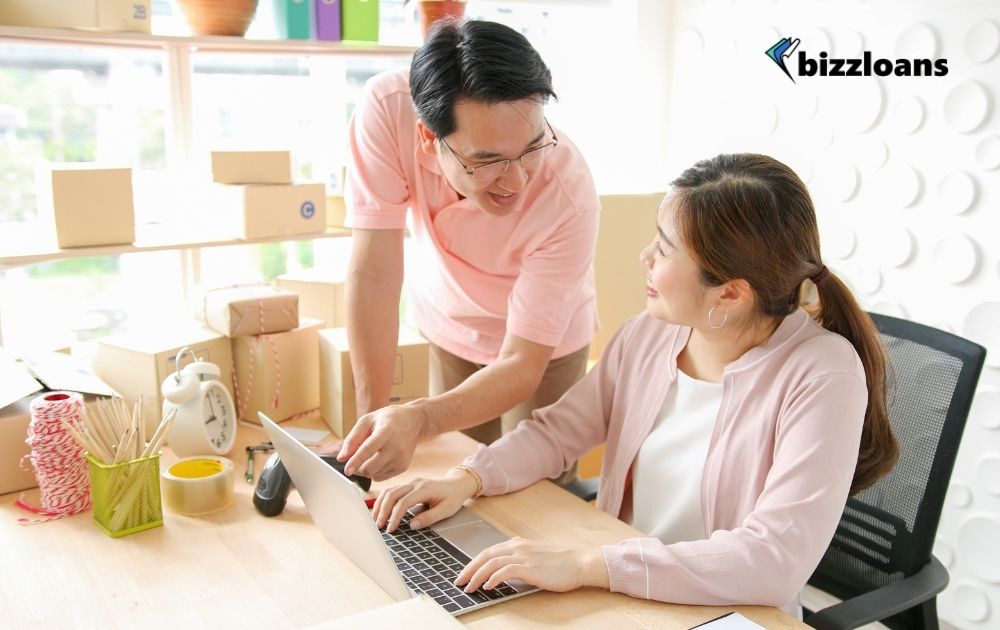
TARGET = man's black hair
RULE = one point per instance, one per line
(477, 60)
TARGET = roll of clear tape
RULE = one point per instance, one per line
(198, 485)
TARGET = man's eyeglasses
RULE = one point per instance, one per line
(530, 160)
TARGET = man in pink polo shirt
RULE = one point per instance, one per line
(502, 214)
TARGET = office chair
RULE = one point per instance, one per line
(586, 489)
(880, 560)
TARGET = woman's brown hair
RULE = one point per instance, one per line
(750, 217)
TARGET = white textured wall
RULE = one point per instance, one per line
(904, 173)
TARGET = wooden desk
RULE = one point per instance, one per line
(238, 569)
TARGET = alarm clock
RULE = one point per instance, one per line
(205, 423)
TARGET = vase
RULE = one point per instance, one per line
(219, 17)
(431, 11)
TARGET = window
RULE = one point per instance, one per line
(75, 104)
(118, 105)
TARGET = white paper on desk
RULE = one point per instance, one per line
(63, 372)
(732, 621)
(15, 380)
(309, 437)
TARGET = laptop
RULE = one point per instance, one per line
(407, 562)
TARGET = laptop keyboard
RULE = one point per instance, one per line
(430, 565)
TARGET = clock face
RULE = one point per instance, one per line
(217, 410)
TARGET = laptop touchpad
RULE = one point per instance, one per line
(472, 537)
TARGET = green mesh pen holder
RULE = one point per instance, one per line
(126, 496)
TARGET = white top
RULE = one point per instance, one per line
(666, 476)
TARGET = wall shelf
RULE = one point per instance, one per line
(149, 239)
(33, 245)
(79, 37)
(19, 252)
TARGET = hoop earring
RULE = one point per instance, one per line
(725, 318)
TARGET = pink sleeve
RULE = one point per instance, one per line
(768, 559)
(558, 435)
(377, 191)
(548, 290)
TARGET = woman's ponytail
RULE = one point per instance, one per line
(838, 311)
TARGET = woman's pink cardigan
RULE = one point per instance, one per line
(774, 483)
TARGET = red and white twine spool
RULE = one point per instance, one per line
(59, 462)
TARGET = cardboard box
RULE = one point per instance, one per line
(283, 369)
(337, 392)
(111, 15)
(628, 224)
(87, 204)
(136, 363)
(327, 14)
(336, 211)
(250, 309)
(17, 389)
(15, 469)
(292, 18)
(252, 167)
(359, 20)
(321, 295)
(268, 210)
(336, 208)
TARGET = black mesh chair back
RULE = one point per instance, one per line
(887, 530)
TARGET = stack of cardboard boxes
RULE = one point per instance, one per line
(135, 364)
(275, 351)
(255, 191)
(274, 357)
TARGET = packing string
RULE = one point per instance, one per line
(243, 398)
(58, 460)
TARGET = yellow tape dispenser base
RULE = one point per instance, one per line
(198, 485)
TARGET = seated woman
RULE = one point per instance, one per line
(736, 422)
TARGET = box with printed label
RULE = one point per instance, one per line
(252, 167)
(277, 373)
(321, 295)
(626, 222)
(337, 392)
(250, 309)
(86, 204)
(135, 363)
(110, 15)
(268, 210)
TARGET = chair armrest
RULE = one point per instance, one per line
(883, 602)
(586, 489)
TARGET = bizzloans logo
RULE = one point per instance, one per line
(866, 66)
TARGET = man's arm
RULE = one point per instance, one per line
(374, 282)
(382, 443)
(493, 390)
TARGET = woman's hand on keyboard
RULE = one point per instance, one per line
(443, 497)
(537, 563)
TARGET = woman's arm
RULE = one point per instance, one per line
(557, 435)
(765, 561)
